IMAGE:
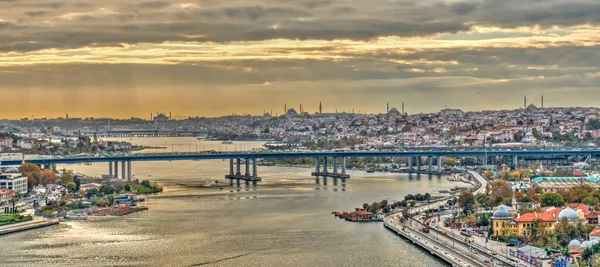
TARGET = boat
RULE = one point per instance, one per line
(227, 142)
(370, 170)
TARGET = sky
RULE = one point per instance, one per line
(216, 57)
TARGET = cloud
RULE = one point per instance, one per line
(87, 22)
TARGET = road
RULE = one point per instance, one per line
(441, 249)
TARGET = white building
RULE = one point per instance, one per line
(15, 182)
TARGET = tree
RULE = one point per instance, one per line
(106, 189)
(552, 199)
(374, 207)
(467, 202)
(32, 172)
(111, 200)
(500, 190)
(365, 206)
(531, 195)
(72, 187)
(48, 177)
(66, 177)
(146, 183)
(450, 161)
(100, 203)
(472, 220)
(590, 200)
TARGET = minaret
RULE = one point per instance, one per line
(524, 102)
(542, 101)
(320, 108)
(300, 108)
(151, 117)
(514, 202)
(284, 108)
(402, 108)
(170, 118)
(388, 108)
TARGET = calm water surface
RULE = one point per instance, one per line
(284, 221)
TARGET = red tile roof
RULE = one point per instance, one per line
(583, 207)
(595, 232)
(362, 212)
(549, 216)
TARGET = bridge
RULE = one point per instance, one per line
(335, 159)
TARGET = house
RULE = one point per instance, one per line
(361, 215)
(6, 195)
(504, 224)
(89, 186)
(595, 234)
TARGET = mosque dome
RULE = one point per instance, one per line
(574, 244)
(267, 115)
(568, 213)
(594, 242)
(502, 214)
(394, 111)
(291, 112)
(531, 107)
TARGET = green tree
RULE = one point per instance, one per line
(72, 187)
(100, 203)
(111, 200)
(127, 188)
(590, 200)
(145, 183)
(552, 199)
(66, 177)
(467, 202)
(106, 189)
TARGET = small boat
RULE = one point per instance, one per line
(226, 142)
(370, 170)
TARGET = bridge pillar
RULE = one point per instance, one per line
(318, 167)
(247, 160)
(515, 162)
(123, 169)
(334, 165)
(254, 172)
(410, 164)
(325, 164)
(110, 172)
(430, 165)
(116, 169)
(343, 165)
(231, 167)
(419, 164)
(238, 172)
(439, 164)
(129, 171)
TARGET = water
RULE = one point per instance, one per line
(284, 221)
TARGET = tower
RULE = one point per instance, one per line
(402, 108)
(67, 116)
(542, 101)
(151, 116)
(320, 108)
(388, 108)
(170, 118)
(300, 108)
(524, 102)
(284, 108)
